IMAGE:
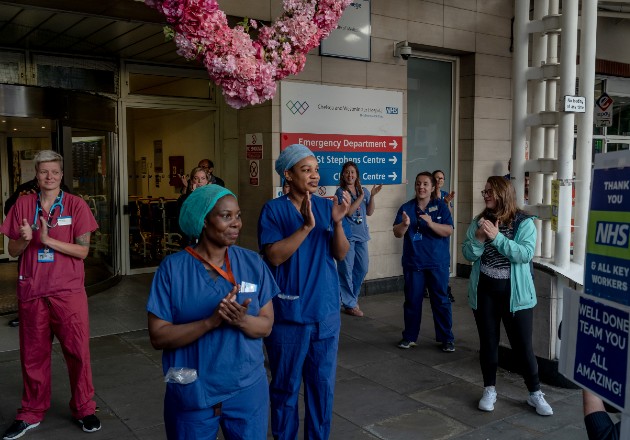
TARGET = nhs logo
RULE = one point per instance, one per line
(612, 234)
(391, 110)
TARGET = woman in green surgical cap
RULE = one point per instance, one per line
(209, 308)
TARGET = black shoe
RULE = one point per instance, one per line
(451, 297)
(448, 347)
(18, 429)
(90, 423)
(426, 293)
(14, 322)
(405, 344)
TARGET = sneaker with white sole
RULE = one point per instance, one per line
(89, 423)
(405, 344)
(537, 400)
(17, 429)
(488, 399)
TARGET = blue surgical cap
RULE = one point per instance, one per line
(290, 156)
(197, 205)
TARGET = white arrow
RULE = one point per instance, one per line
(393, 175)
(393, 144)
(393, 160)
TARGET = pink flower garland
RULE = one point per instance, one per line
(247, 70)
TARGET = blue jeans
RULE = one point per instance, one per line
(352, 271)
(436, 280)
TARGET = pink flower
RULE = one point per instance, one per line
(247, 70)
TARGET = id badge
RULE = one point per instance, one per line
(417, 236)
(64, 221)
(45, 256)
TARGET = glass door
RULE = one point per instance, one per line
(88, 172)
(20, 140)
(161, 145)
(431, 124)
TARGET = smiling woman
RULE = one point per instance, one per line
(209, 308)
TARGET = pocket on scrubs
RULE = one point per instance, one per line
(186, 397)
(287, 307)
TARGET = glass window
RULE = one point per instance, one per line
(162, 85)
(429, 119)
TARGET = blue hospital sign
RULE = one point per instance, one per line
(601, 362)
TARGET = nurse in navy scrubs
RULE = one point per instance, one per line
(425, 224)
(209, 308)
(301, 235)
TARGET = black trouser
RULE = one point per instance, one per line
(493, 305)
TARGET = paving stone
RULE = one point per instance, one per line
(424, 424)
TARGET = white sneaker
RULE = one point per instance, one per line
(488, 399)
(537, 400)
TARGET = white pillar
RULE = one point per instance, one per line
(537, 134)
(550, 134)
(519, 97)
(584, 149)
(568, 55)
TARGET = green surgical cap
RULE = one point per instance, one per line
(197, 205)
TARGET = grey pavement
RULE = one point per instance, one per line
(382, 392)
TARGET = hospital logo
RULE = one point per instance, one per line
(391, 110)
(297, 107)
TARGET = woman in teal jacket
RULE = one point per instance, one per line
(500, 243)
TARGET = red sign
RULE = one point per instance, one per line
(343, 142)
(254, 152)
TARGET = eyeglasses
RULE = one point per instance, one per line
(486, 192)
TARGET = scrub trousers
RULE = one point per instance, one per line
(306, 352)
(352, 271)
(436, 279)
(65, 317)
(244, 416)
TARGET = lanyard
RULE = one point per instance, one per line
(419, 212)
(227, 273)
(38, 210)
(356, 215)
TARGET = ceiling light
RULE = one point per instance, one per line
(43, 126)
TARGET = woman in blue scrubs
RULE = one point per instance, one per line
(209, 308)
(300, 236)
(426, 224)
(353, 269)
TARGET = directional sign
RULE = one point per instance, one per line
(343, 142)
(374, 168)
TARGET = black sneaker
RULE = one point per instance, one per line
(405, 344)
(448, 347)
(14, 322)
(90, 423)
(451, 297)
(18, 429)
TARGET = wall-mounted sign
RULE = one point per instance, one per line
(254, 146)
(341, 124)
(351, 39)
(254, 173)
(574, 104)
(603, 111)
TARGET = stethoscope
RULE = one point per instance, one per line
(38, 210)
